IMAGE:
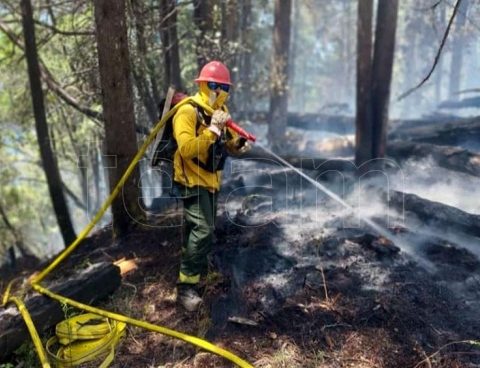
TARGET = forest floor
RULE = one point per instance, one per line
(356, 307)
(296, 287)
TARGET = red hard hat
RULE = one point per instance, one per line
(214, 71)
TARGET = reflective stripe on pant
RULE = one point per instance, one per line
(199, 213)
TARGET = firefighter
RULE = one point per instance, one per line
(203, 142)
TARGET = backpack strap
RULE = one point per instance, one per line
(217, 152)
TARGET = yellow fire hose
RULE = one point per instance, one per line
(121, 319)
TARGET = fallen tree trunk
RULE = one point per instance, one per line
(330, 123)
(342, 124)
(473, 102)
(453, 133)
(306, 163)
(448, 157)
(437, 214)
(452, 158)
(91, 285)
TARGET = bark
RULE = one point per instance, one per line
(91, 286)
(382, 73)
(49, 162)
(473, 102)
(453, 133)
(330, 123)
(120, 137)
(349, 53)
(448, 157)
(246, 55)
(296, 23)
(363, 118)
(229, 40)
(315, 164)
(202, 16)
(436, 214)
(457, 51)
(277, 117)
(410, 59)
(139, 66)
(438, 79)
(169, 37)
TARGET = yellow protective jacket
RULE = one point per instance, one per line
(195, 143)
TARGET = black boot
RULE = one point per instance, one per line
(188, 297)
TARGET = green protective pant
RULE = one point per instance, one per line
(199, 213)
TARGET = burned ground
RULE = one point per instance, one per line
(325, 297)
(297, 281)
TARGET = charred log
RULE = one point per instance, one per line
(330, 123)
(452, 158)
(453, 133)
(93, 284)
(306, 163)
(443, 216)
(473, 102)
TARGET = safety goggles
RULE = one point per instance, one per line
(214, 85)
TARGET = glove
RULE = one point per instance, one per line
(242, 145)
(219, 119)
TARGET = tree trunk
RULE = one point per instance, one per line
(462, 131)
(349, 54)
(277, 119)
(139, 66)
(457, 51)
(296, 24)
(246, 56)
(363, 120)
(439, 71)
(49, 161)
(121, 146)
(410, 59)
(202, 16)
(169, 37)
(382, 72)
(229, 40)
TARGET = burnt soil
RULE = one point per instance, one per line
(347, 303)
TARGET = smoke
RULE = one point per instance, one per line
(425, 179)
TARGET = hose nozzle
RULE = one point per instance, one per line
(242, 132)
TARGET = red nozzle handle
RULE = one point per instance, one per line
(241, 131)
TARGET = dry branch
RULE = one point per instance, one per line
(437, 56)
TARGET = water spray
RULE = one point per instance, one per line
(374, 226)
(327, 191)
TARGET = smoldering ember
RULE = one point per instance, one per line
(236, 183)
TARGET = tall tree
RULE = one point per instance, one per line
(457, 51)
(120, 137)
(168, 32)
(229, 42)
(49, 161)
(246, 54)
(439, 73)
(363, 120)
(277, 117)
(382, 69)
(203, 18)
(140, 68)
(374, 77)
